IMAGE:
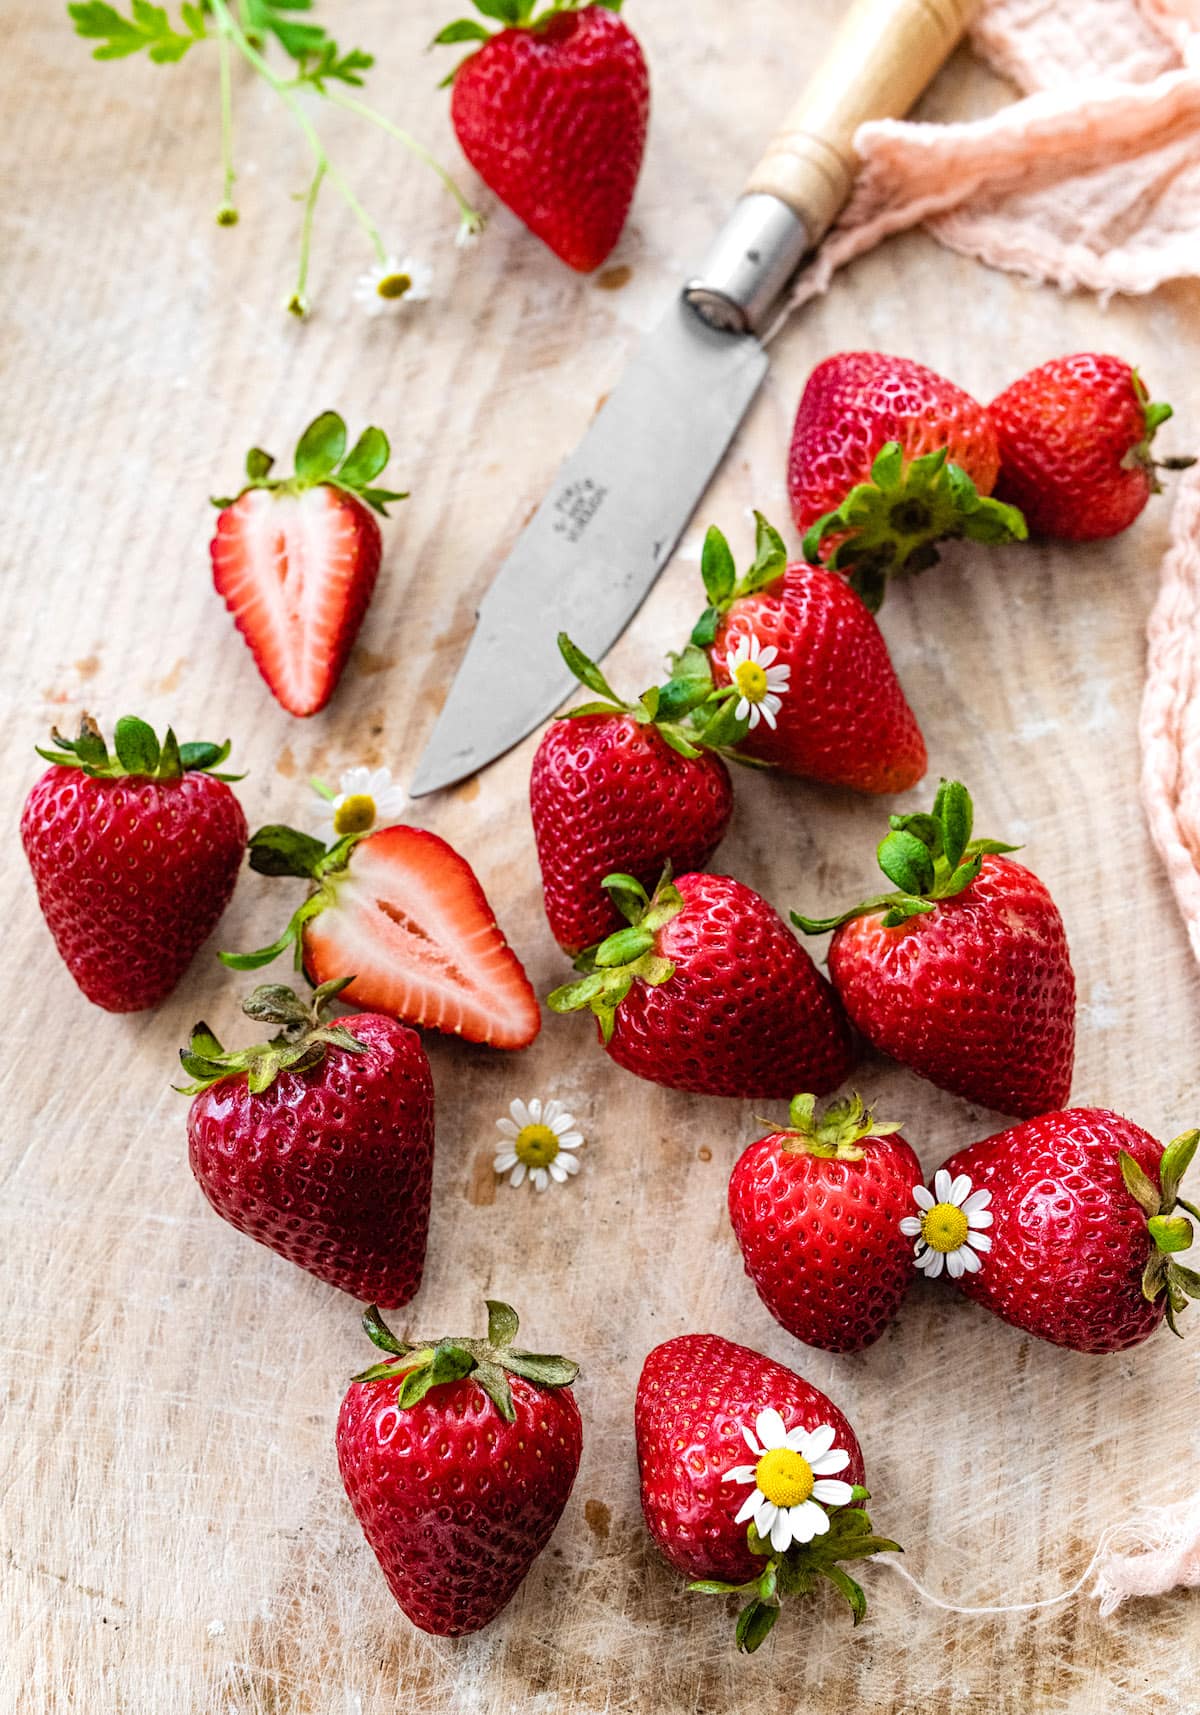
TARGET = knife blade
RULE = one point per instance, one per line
(594, 548)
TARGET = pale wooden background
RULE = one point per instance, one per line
(175, 1538)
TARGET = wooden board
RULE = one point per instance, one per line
(174, 1533)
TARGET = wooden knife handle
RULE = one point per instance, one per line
(882, 57)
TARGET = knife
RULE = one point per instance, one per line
(592, 551)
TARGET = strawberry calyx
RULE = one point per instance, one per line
(799, 1569)
(301, 1042)
(508, 15)
(279, 850)
(1169, 1232)
(421, 1365)
(722, 585)
(930, 857)
(138, 752)
(612, 966)
(890, 525)
(682, 711)
(1155, 412)
(323, 462)
(837, 1134)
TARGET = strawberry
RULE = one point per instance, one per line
(319, 1143)
(134, 855)
(887, 459)
(1075, 438)
(401, 914)
(963, 974)
(458, 1456)
(620, 786)
(551, 112)
(1083, 1230)
(801, 651)
(764, 1529)
(706, 990)
(816, 1208)
(295, 558)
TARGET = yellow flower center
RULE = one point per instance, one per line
(355, 814)
(751, 681)
(944, 1227)
(536, 1145)
(394, 285)
(784, 1477)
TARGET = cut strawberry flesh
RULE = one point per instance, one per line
(413, 927)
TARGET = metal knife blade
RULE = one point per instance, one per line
(591, 553)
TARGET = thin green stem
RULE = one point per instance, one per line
(284, 91)
(470, 216)
(226, 122)
(298, 302)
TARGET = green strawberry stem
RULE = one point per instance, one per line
(929, 858)
(1168, 1232)
(428, 1364)
(627, 954)
(507, 15)
(722, 585)
(798, 1570)
(1155, 413)
(301, 1043)
(137, 752)
(688, 712)
(838, 1133)
(322, 461)
(279, 850)
(889, 525)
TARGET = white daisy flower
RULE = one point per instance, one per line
(391, 283)
(793, 1480)
(366, 798)
(950, 1228)
(759, 683)
(539, 1140)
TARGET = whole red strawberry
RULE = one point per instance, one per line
(1083, 1230)
(766, 1527)
(810, 671)
(707, 990)
(552, 113)
(887, 459)
(319, 1143)
(1075, 438)
(620, 786)
(963, 973)
(295, 558)
(458, 1457)
(401, 915)
(816, 1208)
(134, 856)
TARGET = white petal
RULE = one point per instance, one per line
(550, 1113)
(933, 1264)
(739, 654)
(835, 1460)
(977, 1200)
(754, 715)
(767, 712)
(769, 1428)
(506, 1159)
(954, 1264)
(507, 1128)
(742, 712)
(519, 1112)
(354, 781)
(767, 655)
(568, 1163)
(779, 678)
(741, 1474)
(540, 1178)
(820, 1441)
(817, 1518)
(978, 1219)
(960, 1189)
(751, 1443)
(764, 1515)
(980, 1241)
(781, 1531)
(748, 1507)
(832, 1492)
(518, 1174)
(558, 1172)
(923, 1197)
(942, 1184)
(569, 1139)
(804, 1521)
(797, 1440)
(969, 1260)
(910, 1226)
(535, 1110)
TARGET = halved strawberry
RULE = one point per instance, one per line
(403, 915)
(296, 558)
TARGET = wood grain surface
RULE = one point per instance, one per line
(175, 1538)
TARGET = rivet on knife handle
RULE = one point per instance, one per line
(884, 54)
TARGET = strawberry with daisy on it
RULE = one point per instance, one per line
(802, 661)
(540, 1140)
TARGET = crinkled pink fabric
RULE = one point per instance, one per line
(1092, 180)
